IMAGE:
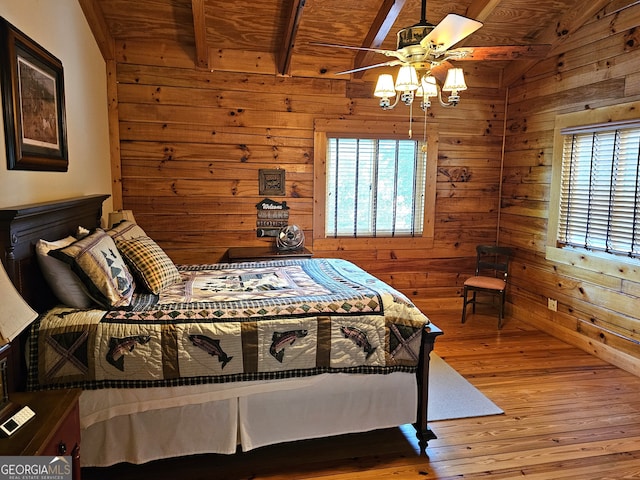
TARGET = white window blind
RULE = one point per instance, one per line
(374, 187)
(600, 185)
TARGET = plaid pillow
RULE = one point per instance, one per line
(96, 260)
(149, 262)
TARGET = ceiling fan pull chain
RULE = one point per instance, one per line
(424, 134)
(410, 120)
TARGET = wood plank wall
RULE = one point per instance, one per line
(596, 66)
(192, 143)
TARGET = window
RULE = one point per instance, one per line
(600, 188)
(593, 214)
(366, 139)
(375, 187)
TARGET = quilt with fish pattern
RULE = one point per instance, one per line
(233, 322)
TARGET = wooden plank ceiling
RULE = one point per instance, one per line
(226, 35)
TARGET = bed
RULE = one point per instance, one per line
(212, 358)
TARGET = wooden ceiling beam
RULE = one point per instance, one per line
(200, 35)
(554, 34)
(481, 9)
(99, 28)
(289, 37)
(379, 30)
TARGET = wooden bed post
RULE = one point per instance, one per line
(423, 432)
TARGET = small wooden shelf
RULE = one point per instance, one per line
(256, 254)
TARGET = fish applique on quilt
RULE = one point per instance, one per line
(359, 338)
(212, 347)
(280, 340)
(119, 347)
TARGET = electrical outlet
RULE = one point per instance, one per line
(552, 304)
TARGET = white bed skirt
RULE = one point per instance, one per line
(141, 425)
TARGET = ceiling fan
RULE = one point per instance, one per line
(424, 53)
(426, 46)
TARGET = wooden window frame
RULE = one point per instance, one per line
(325, 128)
(599, 262)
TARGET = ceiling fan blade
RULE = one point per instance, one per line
(440, 71)
(452, 29)
(500, 52)
(391, 63)
(377, 50)
(388, 53)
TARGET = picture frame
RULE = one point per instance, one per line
(271, 182)
(32, 82)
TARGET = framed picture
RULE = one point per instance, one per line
(271, 182)
(32, 103)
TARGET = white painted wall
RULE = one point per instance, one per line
(60, 27)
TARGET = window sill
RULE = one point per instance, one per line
(615, 266)
(367, 243)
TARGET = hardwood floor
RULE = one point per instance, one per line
(567, 415)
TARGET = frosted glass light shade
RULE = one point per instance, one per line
(384, 86)
(407, 80)
(15, 313)
(454, 81)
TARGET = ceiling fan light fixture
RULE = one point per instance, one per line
(454, 83)
(385, 90)
(429, 86)
(407, 80)
(384, 86)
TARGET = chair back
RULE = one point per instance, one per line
(493, 261)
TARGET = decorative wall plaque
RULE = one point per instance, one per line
(272, 216)
(271, 182)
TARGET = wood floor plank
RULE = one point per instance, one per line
(523, 458)
(568, 415)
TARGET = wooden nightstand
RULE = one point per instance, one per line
(55, 430)
(257, 254)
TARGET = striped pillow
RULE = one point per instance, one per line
(149, 262)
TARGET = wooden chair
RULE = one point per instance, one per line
(492, 267)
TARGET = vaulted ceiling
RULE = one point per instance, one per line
(237, 35)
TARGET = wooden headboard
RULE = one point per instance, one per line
(22, 226)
